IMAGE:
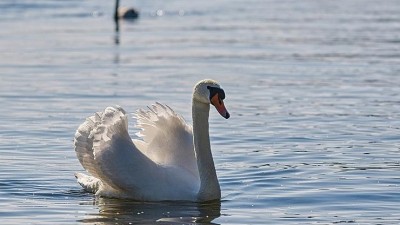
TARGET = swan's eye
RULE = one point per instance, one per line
(214, 91)
(222, 94)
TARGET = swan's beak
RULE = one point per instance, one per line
(219, 105)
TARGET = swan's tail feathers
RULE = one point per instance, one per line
(89, 183)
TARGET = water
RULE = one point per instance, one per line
(312, 88)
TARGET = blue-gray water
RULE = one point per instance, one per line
(313, 88)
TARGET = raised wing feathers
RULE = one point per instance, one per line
(166, 155)
(168, 140)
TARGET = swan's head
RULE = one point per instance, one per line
(210, 92)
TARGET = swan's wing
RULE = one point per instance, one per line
(106, 151)
(83, 142)
(167, 139)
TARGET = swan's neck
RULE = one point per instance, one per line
(116, 10)
(209, 186)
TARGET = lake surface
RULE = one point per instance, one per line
(313, 88)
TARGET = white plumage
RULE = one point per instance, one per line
(164, 165)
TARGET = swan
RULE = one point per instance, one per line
(172, 160)
(124, 12)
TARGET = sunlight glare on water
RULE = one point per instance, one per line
(312, 88)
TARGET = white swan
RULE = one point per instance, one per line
(172, 162)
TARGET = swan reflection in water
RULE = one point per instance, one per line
(112, 211)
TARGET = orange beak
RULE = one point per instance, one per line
(219, 105)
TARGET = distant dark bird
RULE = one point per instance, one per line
(124, 12)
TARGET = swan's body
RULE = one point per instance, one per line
(172, 162)
(124, 12)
